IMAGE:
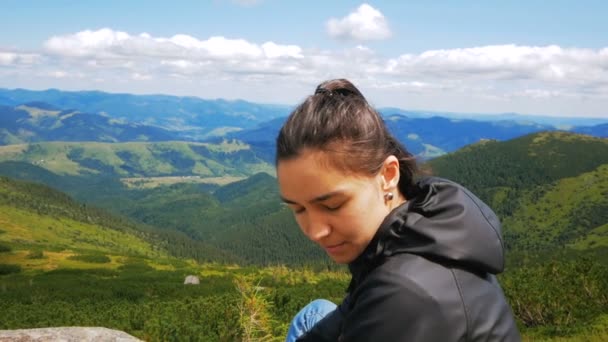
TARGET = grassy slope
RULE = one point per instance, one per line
(140, 159)
(37, 218)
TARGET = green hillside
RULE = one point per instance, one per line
(35, 218)
(66, 263)
(242, 221)
(38, 219)
(140, 159)
(549, 189)
(532, 160)
(570, 212)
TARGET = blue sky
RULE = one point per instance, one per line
(533, 57)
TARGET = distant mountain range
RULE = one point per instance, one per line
(559, 122)
(37, 121)
(191, 117)
(53, 115)
(424, 137)
(201, 171)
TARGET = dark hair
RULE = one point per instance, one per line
(337, 119)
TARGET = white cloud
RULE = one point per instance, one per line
(272, 50)
(58, 74)
(140, 77)
(106, 43)
(551, 64)
(494, 67)
(8, 58)
(497, 74)
(87, 43)
(366, 23)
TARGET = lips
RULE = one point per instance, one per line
(333, 249)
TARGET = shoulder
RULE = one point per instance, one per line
(397, 302)
(448, 191)
(406, 276)
(409, 283)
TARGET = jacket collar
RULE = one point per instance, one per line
(443, 221)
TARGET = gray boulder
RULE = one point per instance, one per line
(191, 279)
(66, 334)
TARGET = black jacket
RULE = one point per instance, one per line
(427, 275)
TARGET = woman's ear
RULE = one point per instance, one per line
(390, 173)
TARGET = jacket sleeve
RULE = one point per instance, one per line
(390, 309)
(328, 329)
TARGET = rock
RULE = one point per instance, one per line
(192, 280)
(66, 334)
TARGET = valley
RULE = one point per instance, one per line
(102, 230)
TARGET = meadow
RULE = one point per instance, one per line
(148, 299)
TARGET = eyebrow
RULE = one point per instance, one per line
(316, 199)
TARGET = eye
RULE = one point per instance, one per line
(333, 207)
(297, 209)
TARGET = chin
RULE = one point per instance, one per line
(341, 259)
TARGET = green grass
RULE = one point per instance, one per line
(596, 238)
(24, 229)
(595, 331)
(155, 305)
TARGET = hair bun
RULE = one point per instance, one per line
(339, 86)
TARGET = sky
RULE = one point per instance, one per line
(528, 57)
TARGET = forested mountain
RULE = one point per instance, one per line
(550, 188)
(245, 218)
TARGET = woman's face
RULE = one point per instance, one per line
(339, 211)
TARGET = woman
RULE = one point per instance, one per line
(423, 253)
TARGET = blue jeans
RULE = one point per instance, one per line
(308, 317)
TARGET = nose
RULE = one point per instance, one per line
(316, 227)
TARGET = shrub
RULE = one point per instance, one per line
(5, 248)
(35, 255)
(135, 268)
(92, 258)
(9, 268)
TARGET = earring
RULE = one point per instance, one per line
(389, 196)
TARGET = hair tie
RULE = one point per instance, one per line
(324, 92)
